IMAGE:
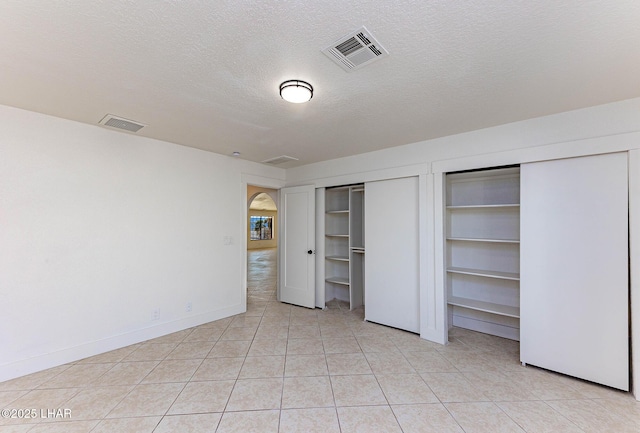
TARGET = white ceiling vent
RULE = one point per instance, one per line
(355, 50)
(120, 123)
(279, 160)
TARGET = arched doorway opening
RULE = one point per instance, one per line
(262, 245)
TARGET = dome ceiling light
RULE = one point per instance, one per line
(296, 91)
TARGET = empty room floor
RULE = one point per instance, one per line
(281, 368)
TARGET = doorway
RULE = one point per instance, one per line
(262, 244)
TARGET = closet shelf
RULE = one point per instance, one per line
(338, 280)
(485, 206)
(482, 232)
(504, 241)
(485, 273)
(338, 258)
(489, 307)
(343, 227)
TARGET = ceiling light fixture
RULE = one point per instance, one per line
(296, 91)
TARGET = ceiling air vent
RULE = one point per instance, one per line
(279, 160)
(120, 123)
(357, 49)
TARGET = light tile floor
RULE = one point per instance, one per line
(280, 368)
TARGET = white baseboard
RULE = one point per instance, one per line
(76, 353)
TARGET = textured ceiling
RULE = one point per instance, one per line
(205, 73)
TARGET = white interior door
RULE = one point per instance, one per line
(574, 267)
(392, 271)
(297, 245)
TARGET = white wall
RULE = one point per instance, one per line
(99, 228)
(603, 120)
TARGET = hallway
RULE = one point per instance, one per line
(262, 275)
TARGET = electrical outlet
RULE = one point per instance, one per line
(155, 314)
(188, 307)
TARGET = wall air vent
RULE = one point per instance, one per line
(116, 122)
(279, 160)
(355, 50)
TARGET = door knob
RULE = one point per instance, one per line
(310, 252)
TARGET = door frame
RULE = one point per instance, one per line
(264, 182)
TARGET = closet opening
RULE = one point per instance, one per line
(539, 254)
(344, 247)
(482, 232)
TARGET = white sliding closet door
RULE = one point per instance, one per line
(574, 267)
(392, 255)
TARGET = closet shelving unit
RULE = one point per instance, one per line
(344, 244)
(483, 250)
